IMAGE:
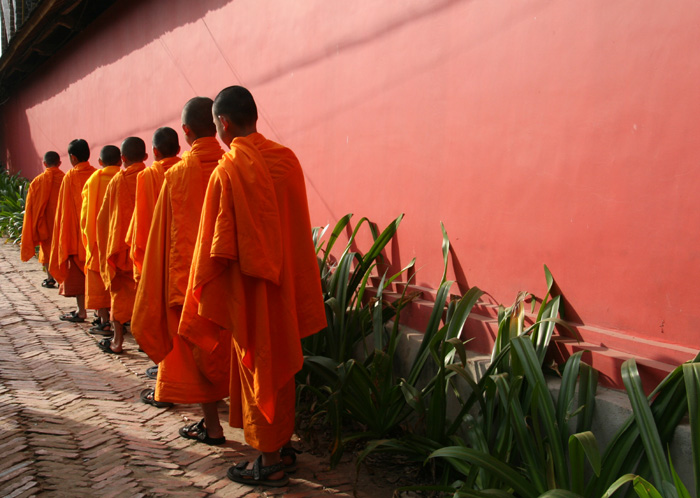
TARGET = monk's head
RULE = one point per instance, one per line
(235, 113)
(165, 143)
(110, 155)
(52, 159)
(133, 151)
(197, 121)
(78, 151)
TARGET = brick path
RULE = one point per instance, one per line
(71, 423)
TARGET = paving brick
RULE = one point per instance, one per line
(71, 423)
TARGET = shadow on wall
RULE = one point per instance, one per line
(155, 18)
(20, 127)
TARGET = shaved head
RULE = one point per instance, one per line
(237, 103)
(110, 155)
(197, 115)
(51, 158)
(165, 139)
(80, 149)
(134, 149)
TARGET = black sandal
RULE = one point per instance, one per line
(152, 372)
(101, 329)
(106, 346)
(148, 396)
(288, 451)
(72, 317)
(200, 434)
(49, 283)
(257, 476)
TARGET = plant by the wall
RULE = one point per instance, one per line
(13, 194)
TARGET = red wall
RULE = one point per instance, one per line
(563, 133)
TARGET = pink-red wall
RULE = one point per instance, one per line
(563, 133)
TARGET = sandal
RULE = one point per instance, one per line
(152, 372)
(103, 329)
(48, 283)
(106, 346)
(289, 452)
(148, 396)
(257, 476)
(198, 432)
(72, 317)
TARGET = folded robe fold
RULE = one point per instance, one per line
(163, 282)
(148, 185)
(112, 224)
(255, 274)
(96, 293)
(66, 240)
(39, 214)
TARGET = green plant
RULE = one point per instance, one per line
(649, 428)
(340, 384)
(13, 194)
(344, 282)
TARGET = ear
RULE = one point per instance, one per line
(186, 129)
(225, 122)
(145, 156)
(124, 159)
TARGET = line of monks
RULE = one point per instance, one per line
(208, 256)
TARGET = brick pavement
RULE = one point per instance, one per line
(72, 424)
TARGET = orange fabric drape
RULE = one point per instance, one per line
(166, 266)
(96, 294)
(254, 272)
(66, 239)
(39, 214)
(113, 221)
(148, 185)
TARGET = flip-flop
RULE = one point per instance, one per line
(106, 346)
(49, 284)
(257, 475)
(148, 396)
(152, 372)
(200, 434)
(71, 317)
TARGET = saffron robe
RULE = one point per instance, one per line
(255, 276)
(112, 223)
(163, 282)
(96, 294)
(66, 239)
(39, 214)
(148, 185)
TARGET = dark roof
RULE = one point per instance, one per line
(34, 30)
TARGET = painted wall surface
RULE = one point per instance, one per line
(563, 133)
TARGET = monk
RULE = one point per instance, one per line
(255, 279)
(164, 277)
(165, 148)
(113, 222)
(39, 214)
(96, 294)
(67, 260)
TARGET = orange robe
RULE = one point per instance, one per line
(39, 214)
(255, 276)
(113, 221)
(166, 266)
(96, 294)
(67, 241)
(148, 185)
